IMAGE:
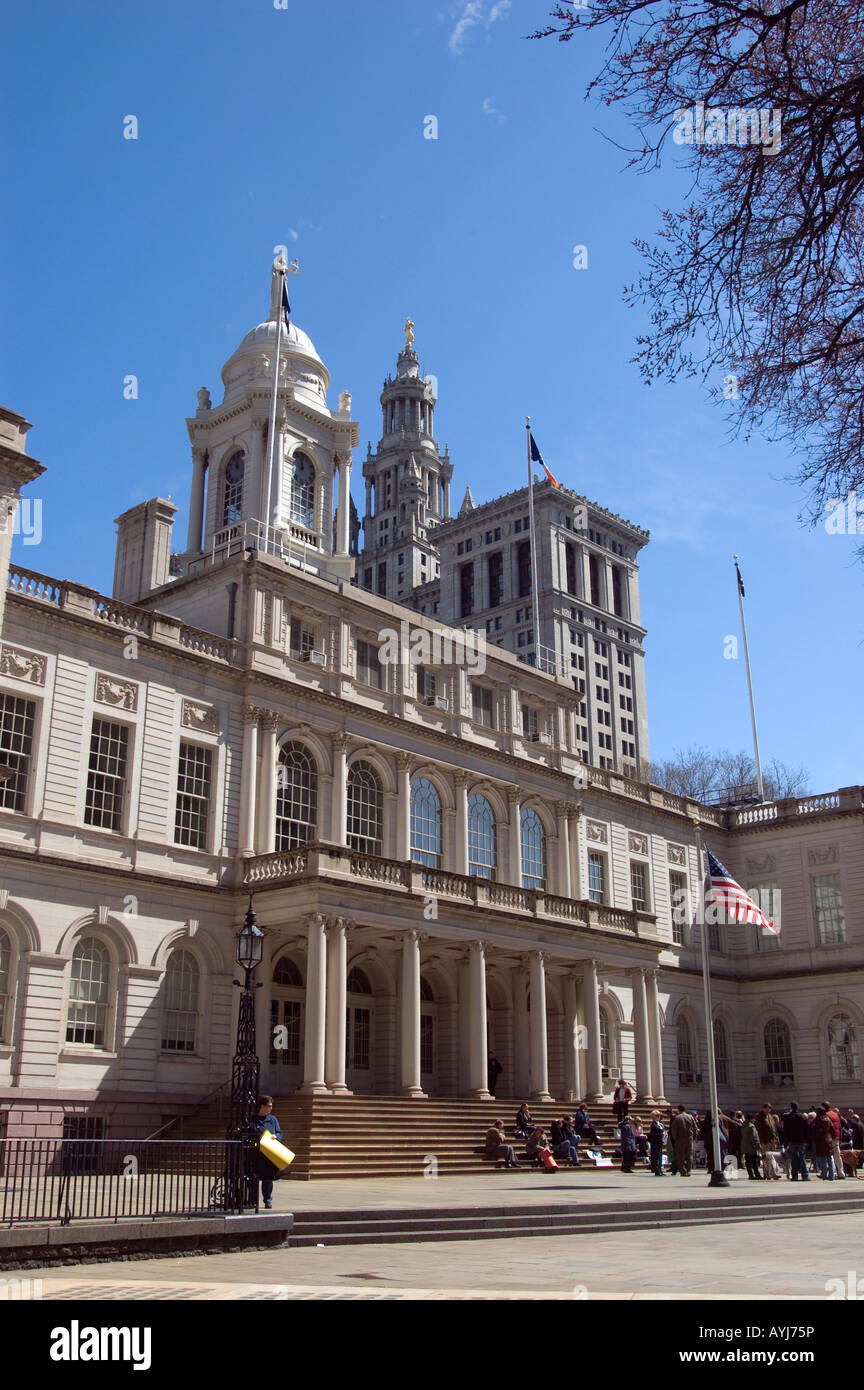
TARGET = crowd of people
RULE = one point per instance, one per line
(795, 1144)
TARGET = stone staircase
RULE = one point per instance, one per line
(394, 1137)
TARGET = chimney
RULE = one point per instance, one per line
(143, 556)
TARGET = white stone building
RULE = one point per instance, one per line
(434, 874)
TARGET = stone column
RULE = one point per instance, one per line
(641, 1037)
(267, 806)
(248, 780)
(316, 1002)
(461, 780)
(655, 1037)
(410, 1007)
(477, 1072)
(539, 1041)
(403, 809)
(339, 807)
(342, 517)
(564, 880)
(515, 838)
(521, 1035)
(196, 501)
(571, 1059)
(578, 863)
(337, 972)
(593, 1068)
(368, 496)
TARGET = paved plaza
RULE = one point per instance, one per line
(792, 1257)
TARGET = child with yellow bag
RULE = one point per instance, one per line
(273, 1155)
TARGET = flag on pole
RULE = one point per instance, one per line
(286, 307)
(729, 896)
(740, 580)
(537, 457)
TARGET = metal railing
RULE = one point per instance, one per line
(65, 1180)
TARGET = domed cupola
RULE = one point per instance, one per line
(300, 367)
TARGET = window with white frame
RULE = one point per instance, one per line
(89, 984)
(607, 1048)
(530, 724)
(232, 492)
(180, 1018)
(533, 840)
(778, 1048)
(482, 709)
(302, 638)
(192, 815)
(721, 1053)
(686, 1053)
(17, 719)
(427, 685)
(766, 896)
(303, 490)
(843, 1049)
(828, 909)
(597, 877)
(640, 890)
(5, 982)
(365, 809)
(106, 775)
(425, 823)
(368, 664)
(679, 905)
(482, 838)
(296, 796)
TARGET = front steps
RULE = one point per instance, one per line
(395, 1137)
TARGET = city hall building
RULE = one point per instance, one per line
(437, 808)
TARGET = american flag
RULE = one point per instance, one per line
(729, 899)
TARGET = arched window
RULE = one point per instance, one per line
(232, 494)
(5, 964)
(425, 823)
(482, 847)
(285, 972)
(842, 1048)
(302, 507)
(778, 1048)
(365, 809)
(357, 982)
(721, 1053)
(87, 1017)
(607, 1052)
(426, 995)
(686, 1055)
(296, 796)
(533, 850)
(427, 1028)
(180, 1023)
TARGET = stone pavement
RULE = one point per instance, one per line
(792, 1258)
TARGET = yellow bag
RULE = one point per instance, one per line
(277, 1154)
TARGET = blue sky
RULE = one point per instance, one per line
(304, 126)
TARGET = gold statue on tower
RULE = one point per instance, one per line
(409, 332)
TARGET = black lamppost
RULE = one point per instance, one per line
(240, 1184)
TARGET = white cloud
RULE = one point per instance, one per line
(490, 109)
(475, 13)
(292, 234)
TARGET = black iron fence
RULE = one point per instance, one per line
(68, 1180)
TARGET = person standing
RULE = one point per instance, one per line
(621, 1100)
(628, 1146)
(265, 1171)
(493, 1071)
(656, 1140)
(834, 1118)
(795, 1132)
(733, 1128)
(823, 1144)
(751, 1148)
(684, 1132)
(769, 1136)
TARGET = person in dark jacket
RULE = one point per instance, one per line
(795, 1132)
(733, 1129)
(584, 1128)
(628, 1146)
(564, 1147)
(493, 1071)
(751, 1147)
(656, 1140)
(265, 1171)
(524, 1122)
(823, 1144)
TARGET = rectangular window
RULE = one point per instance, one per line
(482, 707)
(596, 877)
(767, 897)
(639, 892)
(427, 686)
(466, 591)
(594, 580)
(495, 564)
(382, 579)
(828, 909)
(17, 718)
(523, 569)
(570, 557)
(193, 796)
(530, 727)
(679, 906)
(367, 578)
(618, 592)
(106, 775)
(368, 664)
(302, 637)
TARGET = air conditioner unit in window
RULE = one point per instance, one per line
(442, 702)
(316, 658)
(545, 738)
(614, 1073)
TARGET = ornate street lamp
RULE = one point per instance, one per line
(240, 1183)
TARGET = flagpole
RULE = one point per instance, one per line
(759, 783)
(535, 577)
(718, 1178)
(281, 271)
